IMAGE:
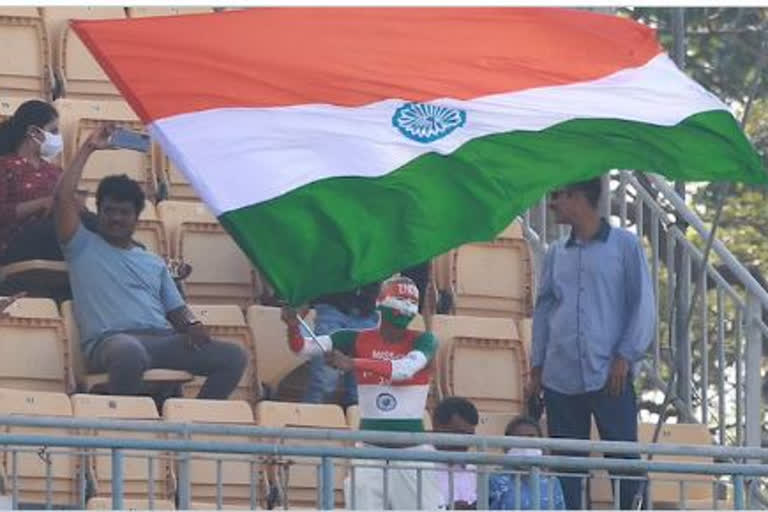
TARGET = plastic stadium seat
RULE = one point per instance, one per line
(101, 503)
(465, 272)
(79, 118)
(89, 382)
(665, 492)
(32, 355)
(25, 57)
(31, 463)
(235, 470)
(301, 472)
(141, 12)
(227, 323)
(274, 360)
(493, 424)
(474, 346)
(135, 463)
(79, 73)
(221, 274)
(179, 188)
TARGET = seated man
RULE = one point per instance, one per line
(393, 368)
(129, 311)
(456, 415)
(503, 494)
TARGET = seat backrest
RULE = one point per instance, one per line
(25, 59)
(221, 274)
(227, 323)
(135, 464)
(77, 362)
(77, 69)
(493, 423)
(508, 259)
(33, 352)
(274, 360)
(469, 345)
(142, 12)
(236, 469)
(33, 461)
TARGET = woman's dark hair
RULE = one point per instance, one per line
(119, 187)
(520, 421)
(14, 129)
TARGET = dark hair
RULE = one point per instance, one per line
(14, 129)
(456, 405)
(592, 189)
(120, 188)
(520, 421)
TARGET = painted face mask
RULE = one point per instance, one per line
(398, 303)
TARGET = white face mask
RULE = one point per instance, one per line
(52, 145)
(525, 452)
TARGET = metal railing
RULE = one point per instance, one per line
(269, 449)
(717, 356)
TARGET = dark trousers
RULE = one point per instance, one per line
(126, 356)
(38, 241)
(570, 416)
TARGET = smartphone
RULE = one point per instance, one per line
(129, 139)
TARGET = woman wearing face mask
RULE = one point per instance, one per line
(503, 486)
(29, 141)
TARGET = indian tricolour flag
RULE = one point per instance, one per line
(340, 145)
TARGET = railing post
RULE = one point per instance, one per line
(483, 480)
(184, 481)
(117, 479)
(754, 359)
(738, 492)
(326, 477)
(536, 488)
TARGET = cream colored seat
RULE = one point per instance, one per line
(135, 463)
(31, 463)
(226, 323)
(33, 352)
(301, 472)
(88, 382)
(102, 503)
(221, 274)
(79, 73)
(465, 272)
(235, 469)
(25, 57)
(474, 346)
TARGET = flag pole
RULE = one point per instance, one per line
(311, 332)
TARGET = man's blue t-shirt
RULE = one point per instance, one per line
(116, 289)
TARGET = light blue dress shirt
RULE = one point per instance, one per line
(595, 302)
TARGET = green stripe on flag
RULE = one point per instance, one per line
(336, 234)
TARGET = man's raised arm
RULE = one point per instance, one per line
(66, 207)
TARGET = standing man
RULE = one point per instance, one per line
(594, 319)
(393, 368)
(352, 310)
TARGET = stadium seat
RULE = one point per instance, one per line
(79, 118)
(226, 323)
(665, 490)
(300, 473)
(97, 381)
(465, 270)
(141, 12)
(221, 274)
(79, 74)
(493, 423)
(474, 346)
(179, 188)
(149, 229)
(136, 463)
(25, 57)
(31, 464)
(101, 503)
(32, 355)
(274, 360)
(235, 470)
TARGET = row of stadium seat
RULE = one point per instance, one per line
(237, 470)
(40, 353)
(42, 57)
